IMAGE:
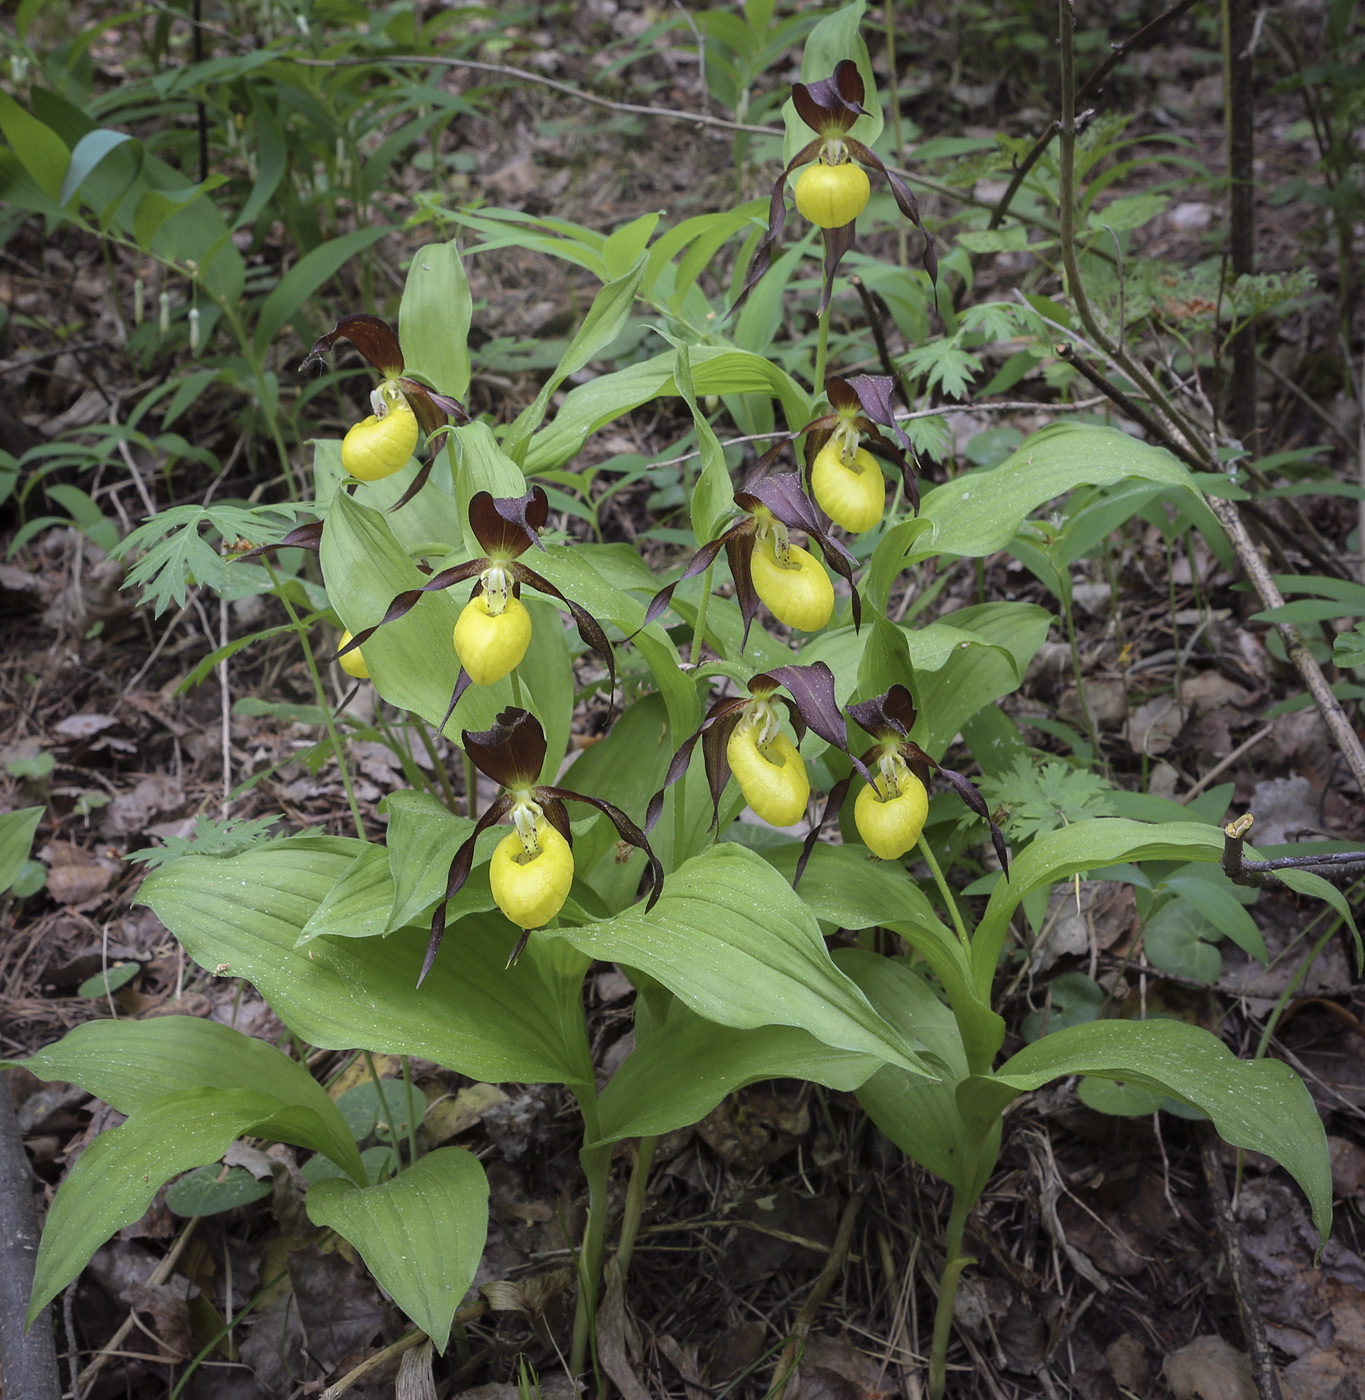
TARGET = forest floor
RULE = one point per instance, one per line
(1098, 1272)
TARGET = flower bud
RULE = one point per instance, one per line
(890, 827)
(377, 447)
(771, 776)
(490, 645)
(831, 196)
(530, 889)
(353, 663)
(852, 494)
(797, 592)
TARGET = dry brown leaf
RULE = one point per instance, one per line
(1126, 1358)
(1210, 1369)
(74, 884)
(456, 1113)
(1154, 726)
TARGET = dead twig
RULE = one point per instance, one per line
(1239, 1273)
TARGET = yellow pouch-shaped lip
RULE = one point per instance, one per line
(377, 447)
(531, 890)
(852, 495)
(800, 594)
(831, 196)
(891, 828)
(353, 663)
(491, 645)
(773, 779)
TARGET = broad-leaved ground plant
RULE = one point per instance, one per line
(464, 938)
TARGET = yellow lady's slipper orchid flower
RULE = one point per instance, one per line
(491, 644)
(831, 196)
(530, 887)
(891, 825)
(353, 663)
(797, 590)
(771, 775)
(851, 491)
(377, 446)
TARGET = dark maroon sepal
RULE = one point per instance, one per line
(512, 752)
(588, 627)
(837, 242)
(625, 829)
(889, 716)
(905, 201)
(876, 396)
(777, 216)
(448, 404)
(812, 688)
(831, 105)
(739, 550)
(460, 867)
(834, 804)
(375, 339)
(967, 791)
(416, 484)
(506, 526)
(300, 537)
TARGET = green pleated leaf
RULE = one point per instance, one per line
(1073, 850)
(116, 1177)
(687, 1066)
(242, 916)
(130, 1064)
(433, 321)
(358, 905)
(920, 1116)
(977, 513)
(1261, 1105)
(733, 941)
(421, 1234)
(16, 839)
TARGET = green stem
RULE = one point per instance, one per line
(516, 690)
(440, 769)
(679, 820)
(1092, 729)
(635, 1202)
(471, 788)
(699, 630)
(302, 632)
(821, 354)
(947, 893)
(894, 101)
(596, 1162)
(954, 1263)
(384, 1112)
(412, 1116)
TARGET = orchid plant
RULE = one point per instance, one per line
(736, 982)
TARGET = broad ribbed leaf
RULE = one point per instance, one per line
(920, 1116)
(242, 916)
(734, 942)
(687, 1066)
(977, 513)
(1073, 850)
(16, 838)
(842, 886)
(420, 1234)
(358, 905)
(433, 321)
(116, 1177)
(1261, 1105)
(129, 1064)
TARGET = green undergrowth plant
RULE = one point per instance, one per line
(688, 845)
